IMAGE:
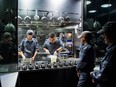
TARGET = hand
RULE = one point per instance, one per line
(32, 59)
(23, 57)
(47, 51)
(55, 53)
(78, 73)
(19, 53)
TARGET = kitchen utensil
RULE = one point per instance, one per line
(27, 18)
(36, 16)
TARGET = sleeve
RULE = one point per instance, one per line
(37, 45)
(21, 46)
(45, 44)
(61, 44)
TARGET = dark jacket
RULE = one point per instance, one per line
(107, 73)
(8, 52)
(87, 58)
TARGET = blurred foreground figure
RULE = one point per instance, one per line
(104, 77)
(87, 59)
(8, 50)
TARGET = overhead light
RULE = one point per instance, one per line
(88, 2)
(106, 5)
(92, 11)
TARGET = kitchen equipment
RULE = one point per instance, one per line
(67, 18)
(44, 19)
(43, 65)
(60, 64)
(60, 19)
(30, 66)
(27, 18)
(24, 67)
(37, 66)
(49, 65)
(36, 16)
(20, 19)
(65, 63)
(53, 58)
(53, 19)
(26, 61)
(70, 63)
(55, 64)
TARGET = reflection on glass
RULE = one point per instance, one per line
(8, 40)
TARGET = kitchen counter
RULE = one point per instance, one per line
(55, 77)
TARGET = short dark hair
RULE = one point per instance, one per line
(52, 35)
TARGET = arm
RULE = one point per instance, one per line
(36, 49)
(21, 53)
(21, 49)
(34, 55)
(61, 46)
(45, 48)
(59, 49)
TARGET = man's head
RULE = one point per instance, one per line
(109, 32)
(52, 37)
(29, 34)
(86, 37)
(7, 37)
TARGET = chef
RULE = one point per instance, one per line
(52, 45)
(29, 46)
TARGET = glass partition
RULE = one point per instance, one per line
(8, 36)
(96, 14)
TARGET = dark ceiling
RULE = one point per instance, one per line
(102, 12)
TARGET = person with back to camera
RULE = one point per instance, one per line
(29, 46)
(87, 59)
(105, 76)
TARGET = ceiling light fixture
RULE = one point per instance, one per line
(106, 5)
(88, 2)
(92, 11)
